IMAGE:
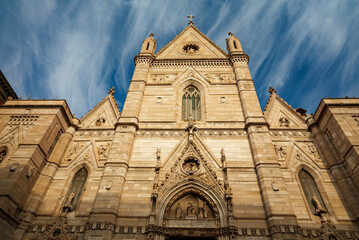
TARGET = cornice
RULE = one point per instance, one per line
(178, 63)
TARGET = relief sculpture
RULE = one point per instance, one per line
(220, 78)
(161, 78)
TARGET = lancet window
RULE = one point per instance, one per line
(311, 191)
(76, 189)
(191, 103)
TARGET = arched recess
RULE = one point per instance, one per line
(202, 195)
(318, 178)
(72, 169)
(188, 78)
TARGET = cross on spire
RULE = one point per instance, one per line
(190, 18)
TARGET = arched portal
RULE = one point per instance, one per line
(192, 210)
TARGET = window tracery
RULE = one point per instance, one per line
(191, 104)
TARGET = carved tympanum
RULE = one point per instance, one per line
(191, 207)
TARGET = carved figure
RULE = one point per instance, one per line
(205, 211)
(179, 211)
(284, 122)
(318, 207)
(75, 148)
(191, 209)
(313, 150)
(200, 213)
(102, 150)
(281, 151)
(99, 122)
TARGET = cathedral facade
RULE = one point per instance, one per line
(191, 156)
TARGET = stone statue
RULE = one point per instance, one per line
(284, 122)
(200, 213)
(318, 207)
(205, 211)
(313, 150)
(191, 209)
(179, 211)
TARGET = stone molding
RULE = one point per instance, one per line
(240, 58)
(200, 63)
(201, 132)
(250, 232)
(290, 133)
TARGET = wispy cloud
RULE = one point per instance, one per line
(77, 50)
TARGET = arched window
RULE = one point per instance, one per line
(310, 189)
(77, 186)
(191, 103)
(2, 155)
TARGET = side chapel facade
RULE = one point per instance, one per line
(191, 156)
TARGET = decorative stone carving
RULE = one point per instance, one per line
(275, 186)
(356, 119)
(281, 151)
(158, 100)
(74, 151)
(220, 78)
(103, 150)
(30, 171)
(108, 185)
(190, 166)
(100, 122)
(313, 150)
(161, 78)
(179, 211)
(223, 100)
(14, 166)
(284, 122)
(190, 48)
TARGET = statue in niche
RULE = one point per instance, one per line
(191, 209)
(318, 207)
(179, 211)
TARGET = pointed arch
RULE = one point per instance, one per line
(310, 189)
(206, 193)
(76, 188)
(191, 103)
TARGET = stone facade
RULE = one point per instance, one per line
(148, 173)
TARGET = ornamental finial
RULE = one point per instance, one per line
(190, 19)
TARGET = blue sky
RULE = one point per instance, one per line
(77, 50)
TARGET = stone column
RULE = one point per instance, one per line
(108, 198)
(337, 169)
(45, 179)
(276, 201)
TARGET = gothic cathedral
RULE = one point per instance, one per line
(191, 156)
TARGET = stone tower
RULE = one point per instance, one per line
(191, 156)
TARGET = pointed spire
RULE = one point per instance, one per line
(234, 45)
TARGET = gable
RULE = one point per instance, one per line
(280, 115)
(104, 114)
(191, 44)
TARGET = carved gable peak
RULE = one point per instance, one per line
(191, 43)
(104, 114)
(280, 114)
(189, 165)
